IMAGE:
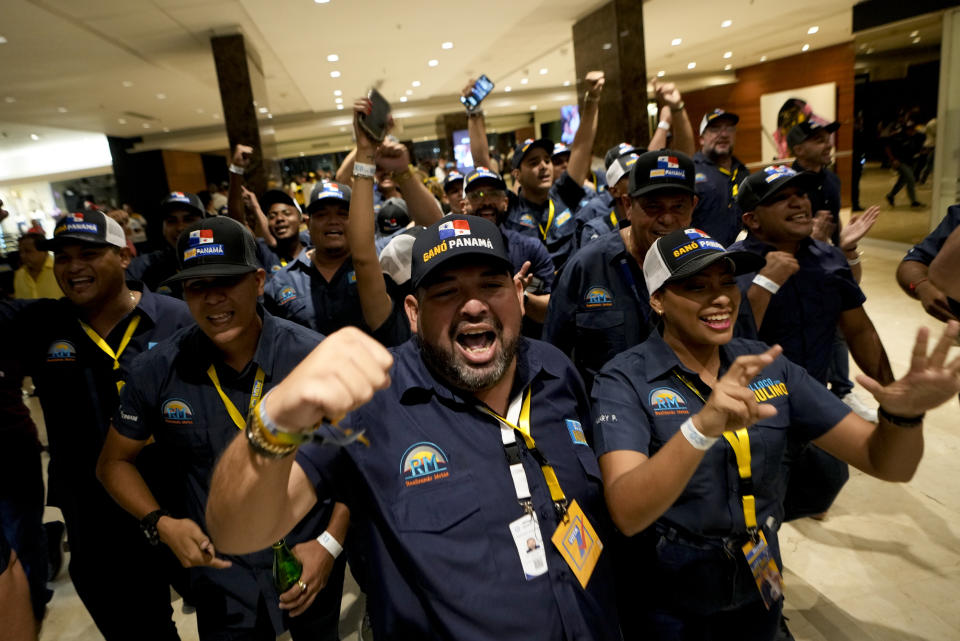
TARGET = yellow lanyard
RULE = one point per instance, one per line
(739, 440)
(232, 410)
(613, 218)
(283, 263)
(544, 230)
(105, 347)
(523, 427)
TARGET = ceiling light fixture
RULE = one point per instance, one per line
(263, 110)
(334, 74)
(914, 33)
(566, 83)
(409, 92)
(339, 106)
(727, 67)
(607, 46)
(447, 45)
(127, 83)
(805, 47)
(161, 96)
(333, 57)
(676, 41)
(199, 110)
(763, 58)
(62, 110)
(728, 54)
(9, 100)
(34, 137)
(507, 89)
(433, 63)
(339, 101)
(661, 73)
(122, 121)
(543, 71)
(812, 30)
(691, 65)
(415, 83)
(523, 81)
(725, 24)
(146, 125)
(3, 40)
(403, 98)
(337, 93)
(533, 107)
(869, 50)
(216, 116)
(321, 1)
(166, 130)
(269, 116)
(916, 40)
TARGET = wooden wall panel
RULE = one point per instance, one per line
(833, 64)
(184, 171)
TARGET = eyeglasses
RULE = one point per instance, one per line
(481, 194)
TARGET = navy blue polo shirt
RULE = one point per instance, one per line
(639, 404)
(599, 214)
(928, 248)
(155, 267)
(300, 293)
(75, 380)
(802, 317)
(438, 557)
(522, 248)
(717, 212)
(528, 218)
(170, 397)
(270, 260)
(825, 196)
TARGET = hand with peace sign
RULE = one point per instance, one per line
(732, 404)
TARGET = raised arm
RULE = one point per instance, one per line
(581, 150)
(477, 128)
(669, 95)
(238, 193)
(344, 174)
(423, 207)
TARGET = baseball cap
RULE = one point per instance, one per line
(393, 215)
(760, 186)
(454, 237)
(529, 145)
(685, 252)
(663, 169)
(182, 200)
(717, 114)
(558, 149)
(273, 196)
(620, 167)
(217, 246)
(91, 227)
(452, 177)
(808, 128)
(397, 257)
(482, 175)
(327, 191)
(619, 150)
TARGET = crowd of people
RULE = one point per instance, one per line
(526, 402)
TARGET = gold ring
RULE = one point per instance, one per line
(303, 586)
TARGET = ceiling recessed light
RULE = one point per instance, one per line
(403, 98)
(127, 83)
(409, 92)
(339, 106)
(62, 110)
(269, 116)
(691, 65)
(805, 47)
(661, 73)
(543, 71)
(146, 125)
(3, 40)
(812, 30)
(727, 67)
(447, 45)
(339, 101)
(676, 41)
(607, 46)
(333, 57)
(263, 110)
(342, 129)
(728, 54)
(914, 33)
(916, 40)
(215, 116)
(869, 50)
(334, 74)
(508, 89)
(9, 100)
(566, 83)
(763, 58)
(725, 24)
(523, 81)
(166, 130)
(320, 2)
(161, 96)
(337, 93)
(199, 110)
(415, 83)
(302, 154)
(533, 107)
(433, 63)
(34, 137)
(122, 121)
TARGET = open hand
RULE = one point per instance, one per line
(732, 404)
(823, 226)
(857, 228)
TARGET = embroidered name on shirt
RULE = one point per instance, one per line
(768, 389)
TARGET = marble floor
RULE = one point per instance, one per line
(883, 566)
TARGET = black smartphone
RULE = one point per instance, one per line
(481, 88)
(375, 123)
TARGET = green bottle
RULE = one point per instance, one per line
(286, 567)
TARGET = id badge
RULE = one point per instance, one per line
(765, 572)
(529, 542)
(578, 543)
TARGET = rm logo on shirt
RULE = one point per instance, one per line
(423, 462)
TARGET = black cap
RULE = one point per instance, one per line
(273, 196)
(616, 151)
(453, 176)
(483, 176)
(455, 237)
(90, 227)
(663, 169)
(529, 145)
(559, 149)
(216, 246)
(804, 130)
(180, 200)
(328, 191)
(685, 252)
(757, 188)
(717, 115)
(393, 216)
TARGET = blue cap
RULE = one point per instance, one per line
(452, 177)
(485, 176)
(328, 191)
(529, 145)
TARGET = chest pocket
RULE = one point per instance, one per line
(600, 336)
(769, 440)
(442, 530)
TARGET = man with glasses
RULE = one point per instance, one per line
(718, 173)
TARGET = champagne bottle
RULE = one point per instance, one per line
(286, 567)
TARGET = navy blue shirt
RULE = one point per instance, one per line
(928, 248)
(438, 557)
(825, 196)
(270, 260)
(170, 397)
(717, 212)
(300, 293)
(802, 317)
(154, 268)
(75, 380)
(531, 219)
(639, 404)
(522, 248)
(598, 215)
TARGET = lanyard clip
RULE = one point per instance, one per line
(527, 505)
(754, 534)
(561, 508)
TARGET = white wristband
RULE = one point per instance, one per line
(364, 170)
(237, 169)
(766, 283)
(697, 438)
(856, 260)
(333, 547)
(663, 124)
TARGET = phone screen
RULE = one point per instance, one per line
(481, 88)
(375, 123)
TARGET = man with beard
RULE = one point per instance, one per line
(719, 173)
(477, 446)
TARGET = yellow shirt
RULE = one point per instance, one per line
(45, 286)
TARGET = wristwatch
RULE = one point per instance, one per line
(149, 525)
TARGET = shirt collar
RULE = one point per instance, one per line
(148, 301)
(659, 358)
(263, 356)
(753, 244)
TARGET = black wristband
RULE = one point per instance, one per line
(149, 525)
(900, 421)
